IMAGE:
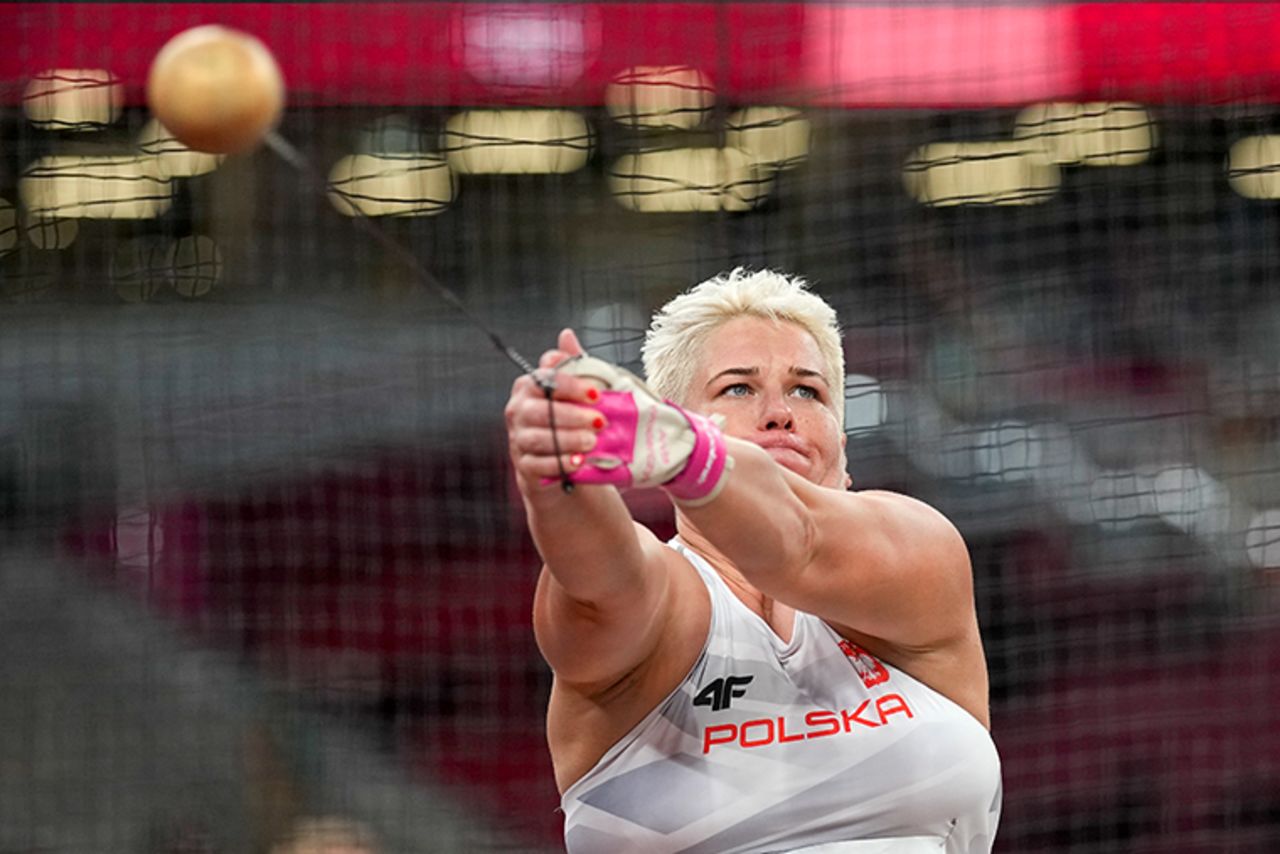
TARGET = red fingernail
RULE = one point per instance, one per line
(576, 460)
(598, 423)
(593, 394)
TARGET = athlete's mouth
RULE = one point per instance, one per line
(787, 452)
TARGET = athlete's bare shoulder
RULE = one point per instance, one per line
(585, 720)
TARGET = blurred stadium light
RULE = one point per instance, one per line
(1253, 166)
(517, 142)
(682, 180)
(73, 99)
(660, 97)
(865, 407)
(49, 233)
(174, 158)
(102, 187)
(943, 174)
(195, 265)
(391, 185)
(8, 228)
(775, 136)
(1093, 134)
(528, 46)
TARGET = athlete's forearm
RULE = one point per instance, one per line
(587, 540)
(760, 520)
(888, 564)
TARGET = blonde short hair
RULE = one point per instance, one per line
(673, 344)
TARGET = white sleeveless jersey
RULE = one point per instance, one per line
(812, 745)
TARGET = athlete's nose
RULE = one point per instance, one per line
(776, 414)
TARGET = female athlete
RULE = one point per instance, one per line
(800, 668)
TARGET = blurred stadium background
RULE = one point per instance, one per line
(261, 560)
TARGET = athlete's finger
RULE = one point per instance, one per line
(578, 389)
(551, 358)
(545, 471)
(563, 387)
(537, 441)
(569, 343)
(533, 411)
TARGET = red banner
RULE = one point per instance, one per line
(932, 55)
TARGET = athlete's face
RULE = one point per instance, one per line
(766, 379)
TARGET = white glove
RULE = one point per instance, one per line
(647, 441)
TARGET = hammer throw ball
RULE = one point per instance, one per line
(216, 89)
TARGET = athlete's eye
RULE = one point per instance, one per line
(735, 390)
(807, 391)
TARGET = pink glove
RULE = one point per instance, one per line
(649, 442)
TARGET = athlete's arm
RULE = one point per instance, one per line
(601, 601)
(882, 563)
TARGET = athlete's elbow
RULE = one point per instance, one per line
(794, 547)
(805, 551)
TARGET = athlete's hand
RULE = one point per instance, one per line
(528, 417)
(610, 428)
(647, 441)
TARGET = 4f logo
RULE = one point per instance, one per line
(719, 693)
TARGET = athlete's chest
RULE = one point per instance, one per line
(753, 691)
(822, 725)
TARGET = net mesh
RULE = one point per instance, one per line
(265, 578)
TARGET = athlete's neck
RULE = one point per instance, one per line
(725, 568)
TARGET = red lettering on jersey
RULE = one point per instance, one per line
(782, 732)
(821, 719)
(718, 734)
(767, 723)
(818, 723)
(852, 717)
(892, 704)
